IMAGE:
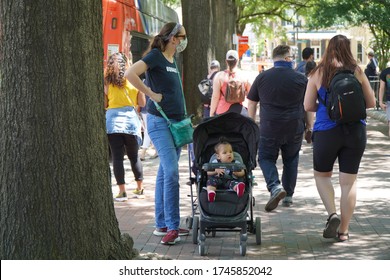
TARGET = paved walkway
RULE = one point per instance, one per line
(287, 233)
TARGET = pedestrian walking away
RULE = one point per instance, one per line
(384, 93)
(307, 56)
(333, 140)
(206, 87)
(280, 91)
(122, 122)
(372, 69)
(164, 80)
(232, 77)
(146, 142)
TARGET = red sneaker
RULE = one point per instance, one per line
(163, 231)
(171, 238)
(240, 188)
(211, 196)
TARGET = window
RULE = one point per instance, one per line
(114, 22)
(317, 52)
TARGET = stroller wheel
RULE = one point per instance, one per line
(242, 248)
(202, 248)
(195, 227)
(189, 222)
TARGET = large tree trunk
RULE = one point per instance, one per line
(56, 200)
(210, 26)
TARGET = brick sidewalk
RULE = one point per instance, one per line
(287, 233)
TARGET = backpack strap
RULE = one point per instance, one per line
(213, 75)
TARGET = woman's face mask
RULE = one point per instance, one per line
(182, 45)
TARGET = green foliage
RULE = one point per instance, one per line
(374, 14)
(172, 3)
(260, 12)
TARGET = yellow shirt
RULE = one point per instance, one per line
(117, 97)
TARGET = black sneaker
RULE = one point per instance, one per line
(273, 202)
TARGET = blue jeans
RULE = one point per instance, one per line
(167, 181)
(268, 154)
(206, 111)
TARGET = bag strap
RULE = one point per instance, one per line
(213, 75)
(128, 97)
(230, 74)
(158, 107)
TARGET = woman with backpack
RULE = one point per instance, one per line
(230, 88)
(334, 139)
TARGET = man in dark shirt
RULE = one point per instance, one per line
(307, 55)
(371, 68)
(280, 91)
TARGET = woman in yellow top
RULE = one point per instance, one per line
(122, 122)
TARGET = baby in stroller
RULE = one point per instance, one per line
(222, 177)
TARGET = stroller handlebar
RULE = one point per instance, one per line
(230, 166)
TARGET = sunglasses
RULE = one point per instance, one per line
(181, 36)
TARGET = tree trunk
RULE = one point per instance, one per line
(55, 195)
(210, 26)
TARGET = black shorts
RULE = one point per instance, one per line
(344, 142)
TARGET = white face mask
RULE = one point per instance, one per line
(182, 46)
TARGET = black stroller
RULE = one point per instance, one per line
(228, 212)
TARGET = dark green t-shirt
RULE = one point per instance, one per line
(163, 77)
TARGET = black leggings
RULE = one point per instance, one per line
(117, 142)
(345, 143)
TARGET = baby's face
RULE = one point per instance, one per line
(225, 153)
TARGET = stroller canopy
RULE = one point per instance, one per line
(242, 132)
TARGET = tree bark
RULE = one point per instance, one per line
(210, 25)
(55, 195)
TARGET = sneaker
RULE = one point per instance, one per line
(171, 238)
(121, 197)
(211, 196)
(287, 201)
(240, 188)
(163, 231)
(276, 196)
(138, 192)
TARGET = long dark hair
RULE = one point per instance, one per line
(161, 40)
(114, 73)
(338, 51)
